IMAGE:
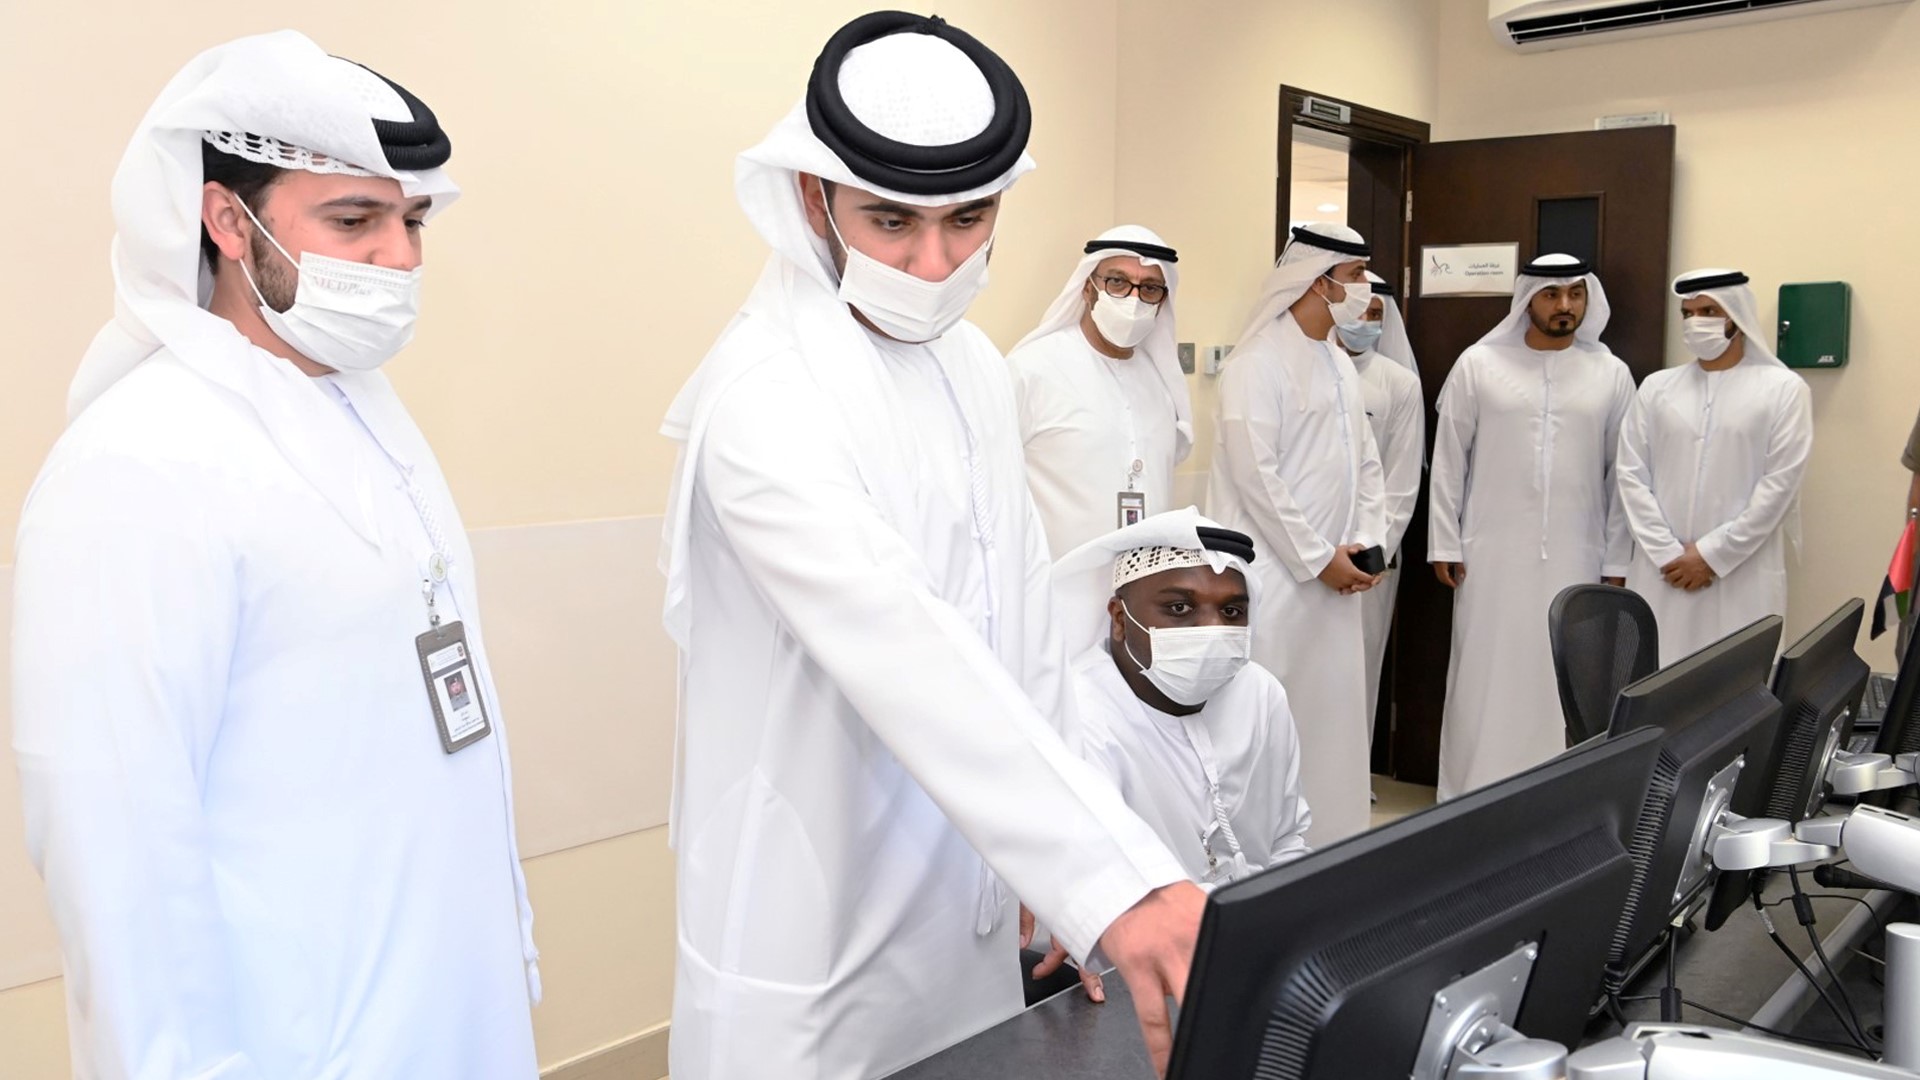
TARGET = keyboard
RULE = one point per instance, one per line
(1873, 708)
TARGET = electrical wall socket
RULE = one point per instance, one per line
(1185, 350)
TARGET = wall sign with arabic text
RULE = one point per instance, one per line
(1469, 269)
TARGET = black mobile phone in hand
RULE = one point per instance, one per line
(1370, 560)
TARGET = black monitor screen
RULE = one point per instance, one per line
(1327, 968)
(1900, 727)
(1819, 683)
(1718, 716)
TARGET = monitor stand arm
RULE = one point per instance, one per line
(1690, 1051)
(1470, 1035)
(1883, 844)
(1737, 843)
(1857, 774)
(1495, 1049)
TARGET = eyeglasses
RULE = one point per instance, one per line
(1149, 292)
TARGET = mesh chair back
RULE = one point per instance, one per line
(1604, 639)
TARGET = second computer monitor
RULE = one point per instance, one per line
(1819, 682)
(1900, 726)
(1719, 720)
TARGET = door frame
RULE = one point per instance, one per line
(1366, 125)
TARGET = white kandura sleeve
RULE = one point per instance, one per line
(1633, 471)
(1046, 674)
(1295, 817)
(1370, 491)
(1098, 745)
(1407, 420)
(126, 610)
(1029, 392)
(1250, 421)
(1789, 446)
(1454, 430)
(1619, 536)
(855, 593)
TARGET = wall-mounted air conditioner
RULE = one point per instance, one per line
(1539, 25)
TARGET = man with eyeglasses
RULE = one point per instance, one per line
(1104, 412)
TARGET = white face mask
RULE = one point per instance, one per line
(349, 316)
(904, 307)
(1125, 321)
(1192, 663)
(1354, 308)
(1706, 338)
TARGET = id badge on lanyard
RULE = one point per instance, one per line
(446, 664)
(1132, 502)
(453, 687)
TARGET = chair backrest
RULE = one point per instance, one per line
(1604, 639)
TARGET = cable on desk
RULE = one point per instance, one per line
(1774, 936)
(1827, 1044)
(1879, 923)
(1803, 910)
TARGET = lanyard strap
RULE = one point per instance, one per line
(1202, 743)
(1136, 465)
(980, 502)
(434, 574)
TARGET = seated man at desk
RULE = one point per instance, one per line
(1198, 738)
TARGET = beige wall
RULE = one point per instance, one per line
(1794, 164)
(1200, 102)
(596, 252)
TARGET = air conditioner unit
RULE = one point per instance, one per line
(1540, 25)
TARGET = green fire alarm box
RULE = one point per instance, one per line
(1813, 324)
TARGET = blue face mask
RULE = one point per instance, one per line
(1360, 336)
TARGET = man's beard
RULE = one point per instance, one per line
(276, 280)
(1546, 327)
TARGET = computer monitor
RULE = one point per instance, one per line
(1719, 720)
(1341, 965)
(1819, 681)
(1900, 726)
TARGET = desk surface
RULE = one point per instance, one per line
(1067, 1037)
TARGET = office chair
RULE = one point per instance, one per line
(1604, 638)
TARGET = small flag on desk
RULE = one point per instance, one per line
(1896, 592)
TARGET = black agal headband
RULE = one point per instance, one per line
(1138, 247)
(1303, 235)
(410, 145)
(905, 167)
(1689, 286)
